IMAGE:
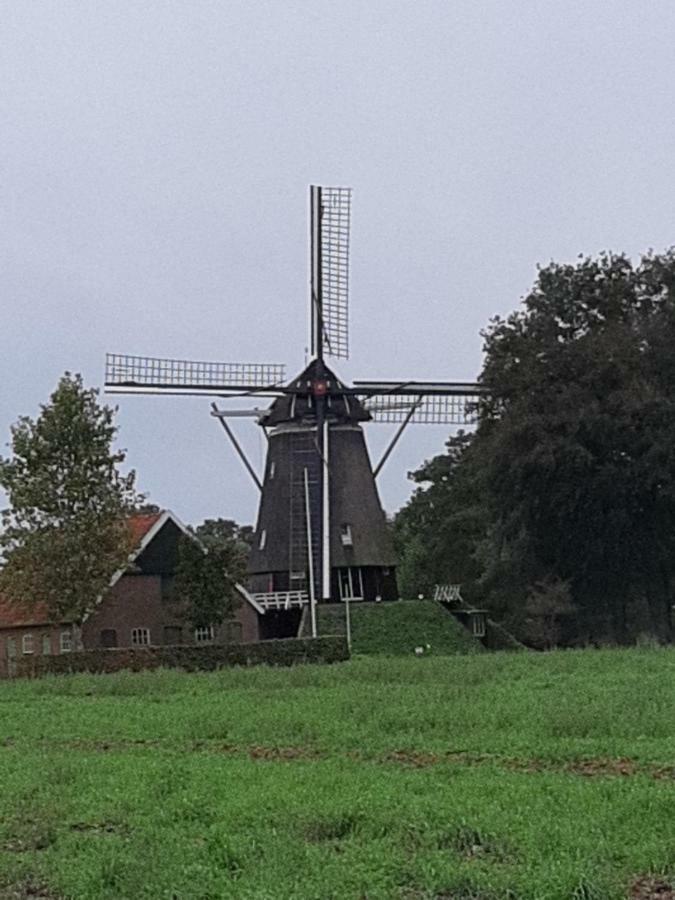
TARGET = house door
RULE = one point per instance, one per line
(11, 657)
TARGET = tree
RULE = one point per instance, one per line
(577, 439)
(437, 532)
(65, 533)
(208, 570)
(569, 479)
(547, 606)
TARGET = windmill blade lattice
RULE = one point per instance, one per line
(125, 373)
(447, 410)
(334, 229)
(422, 403)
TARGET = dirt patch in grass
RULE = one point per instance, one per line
(603, 766)
(648, 888)
(29, 837)
(102, 828)
(334, 828)
(591, 767)
(472, 843)
(283, 754)
(415, 758)
(27, 890)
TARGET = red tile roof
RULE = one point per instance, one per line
(14, 614)
(18, 615)
(141, 525)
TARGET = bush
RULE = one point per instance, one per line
(289, 652)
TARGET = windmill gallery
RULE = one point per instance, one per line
(321, 533)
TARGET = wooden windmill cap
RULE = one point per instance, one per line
(315, 381)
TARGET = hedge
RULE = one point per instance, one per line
(287, 652)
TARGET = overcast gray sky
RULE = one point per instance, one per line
(154, 164)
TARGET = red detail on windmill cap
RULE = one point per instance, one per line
(319, 387)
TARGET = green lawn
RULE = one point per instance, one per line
(479, 776)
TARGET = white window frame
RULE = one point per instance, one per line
(27, 644)
(66, 642)
(346, 535)
(478, 624)
(263, 539)
(205, 635)
(140, 637)
(354, 579)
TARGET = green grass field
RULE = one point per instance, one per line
(478, 776)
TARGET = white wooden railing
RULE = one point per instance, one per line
(281, 599)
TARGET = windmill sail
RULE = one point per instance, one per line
(149, 374)
(421, 402)
(330, 224)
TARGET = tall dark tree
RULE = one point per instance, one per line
(65, 532)
(439, 530)
(562, 506)
(577, 439)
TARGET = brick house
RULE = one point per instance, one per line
(135, 611)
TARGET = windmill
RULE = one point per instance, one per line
(321, 532)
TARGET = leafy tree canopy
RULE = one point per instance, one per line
(436, 533)
(64, 532)
(208, 570)
(573, 460)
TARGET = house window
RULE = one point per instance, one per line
(11, 647)
(263, 540)
(346, 535)
(108, 637)
(46, 645)
(27, 643)
(140, 637)
(173, 634)
(66, 642)
(204, 635)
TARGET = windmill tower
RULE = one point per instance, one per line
(321, 532)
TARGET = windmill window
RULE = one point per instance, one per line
(346, 535)
(478, 624)
(140, 637)
(263, 540)
(27, 643)
(351, 583)
(273, 467)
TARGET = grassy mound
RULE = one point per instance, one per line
(397, 628)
